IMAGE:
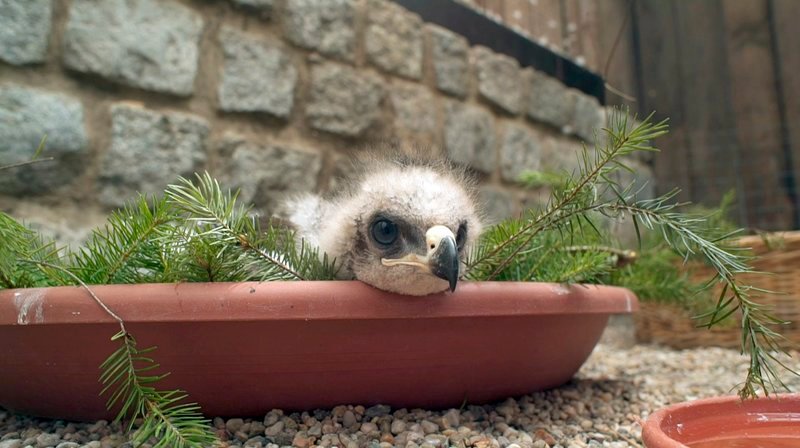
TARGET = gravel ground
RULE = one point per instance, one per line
(602, 407)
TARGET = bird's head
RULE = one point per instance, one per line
(411, 227)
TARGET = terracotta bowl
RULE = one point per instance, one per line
(244, 348)
(726, 422)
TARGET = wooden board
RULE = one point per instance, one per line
(787, 49)
(754, 100)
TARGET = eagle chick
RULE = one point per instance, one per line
(404, 224)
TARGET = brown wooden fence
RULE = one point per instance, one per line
(725, 72)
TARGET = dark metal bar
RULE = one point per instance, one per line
(480, 30)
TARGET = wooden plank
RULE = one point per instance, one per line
(614, 15)
(662, 92)
(581, 32)
(708, 114)
(545, 17)
(516, 15)
(787, 48)
(758, 119)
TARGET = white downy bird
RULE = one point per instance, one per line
(404, 224)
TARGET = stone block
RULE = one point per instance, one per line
(499, 79)
(521, 151)
(267, 174)
(148, 44)
(414, 108)
(589, 117)
(149, 150)
(24, 30)
(343, 100)
(258, 75)
(450, 56)
(550, 101)
(393, 39)
(496, 204)
(469, 136)
(324, 26)
(26, 116)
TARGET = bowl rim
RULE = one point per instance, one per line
(305, 300)
(654, 436)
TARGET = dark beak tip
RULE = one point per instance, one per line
(453, 283)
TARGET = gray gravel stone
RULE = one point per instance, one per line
(550, 101)
(264, 8)
(149, 44)
(325, 26)
(393, 39)
(450, 56)
(149, 149)
(27, 115)
(24, 30)
(497, 204)
(414, 107)
(342, 100)
(469, 136)
(11, 443)
(46, 440)
(589, 117)
(521, 151)
(499, 79)
(258, 75)
(560, 155)
(266, 174)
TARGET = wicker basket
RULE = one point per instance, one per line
(778, 254)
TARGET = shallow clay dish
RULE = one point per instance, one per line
(726, 422)
(244, 348)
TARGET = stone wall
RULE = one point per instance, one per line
(269, 95)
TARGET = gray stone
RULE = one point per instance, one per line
(258, 75)
(550, 101)
(11, 443)
(26, 116)
(328, 27)
(264, 8)
(46, 440)
(377, 411)
(149, 44)
(266, 174)
(561, 155)
(499, 79)
(24, 30)
(149, 150)
(589, 117)
(68, 445)
(469, 136)
(342, 100)
(414, 108)
(393, 39)
(496, 204)
(521, 151)
(450, 55)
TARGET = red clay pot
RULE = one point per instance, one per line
(244, 348)
(726, 422)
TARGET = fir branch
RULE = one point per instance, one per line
(162, 413)
(621, 142)
(126, 250)
(20, 242)
(271, 254)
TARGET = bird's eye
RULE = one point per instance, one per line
(384, 232)
(461, 236)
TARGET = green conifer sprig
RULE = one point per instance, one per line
(519, 249)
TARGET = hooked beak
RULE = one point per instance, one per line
(441, 259)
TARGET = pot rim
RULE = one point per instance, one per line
(304, 300)
(653, 433)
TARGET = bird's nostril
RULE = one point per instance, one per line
(433, 246)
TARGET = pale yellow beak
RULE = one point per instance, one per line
(440, 260)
